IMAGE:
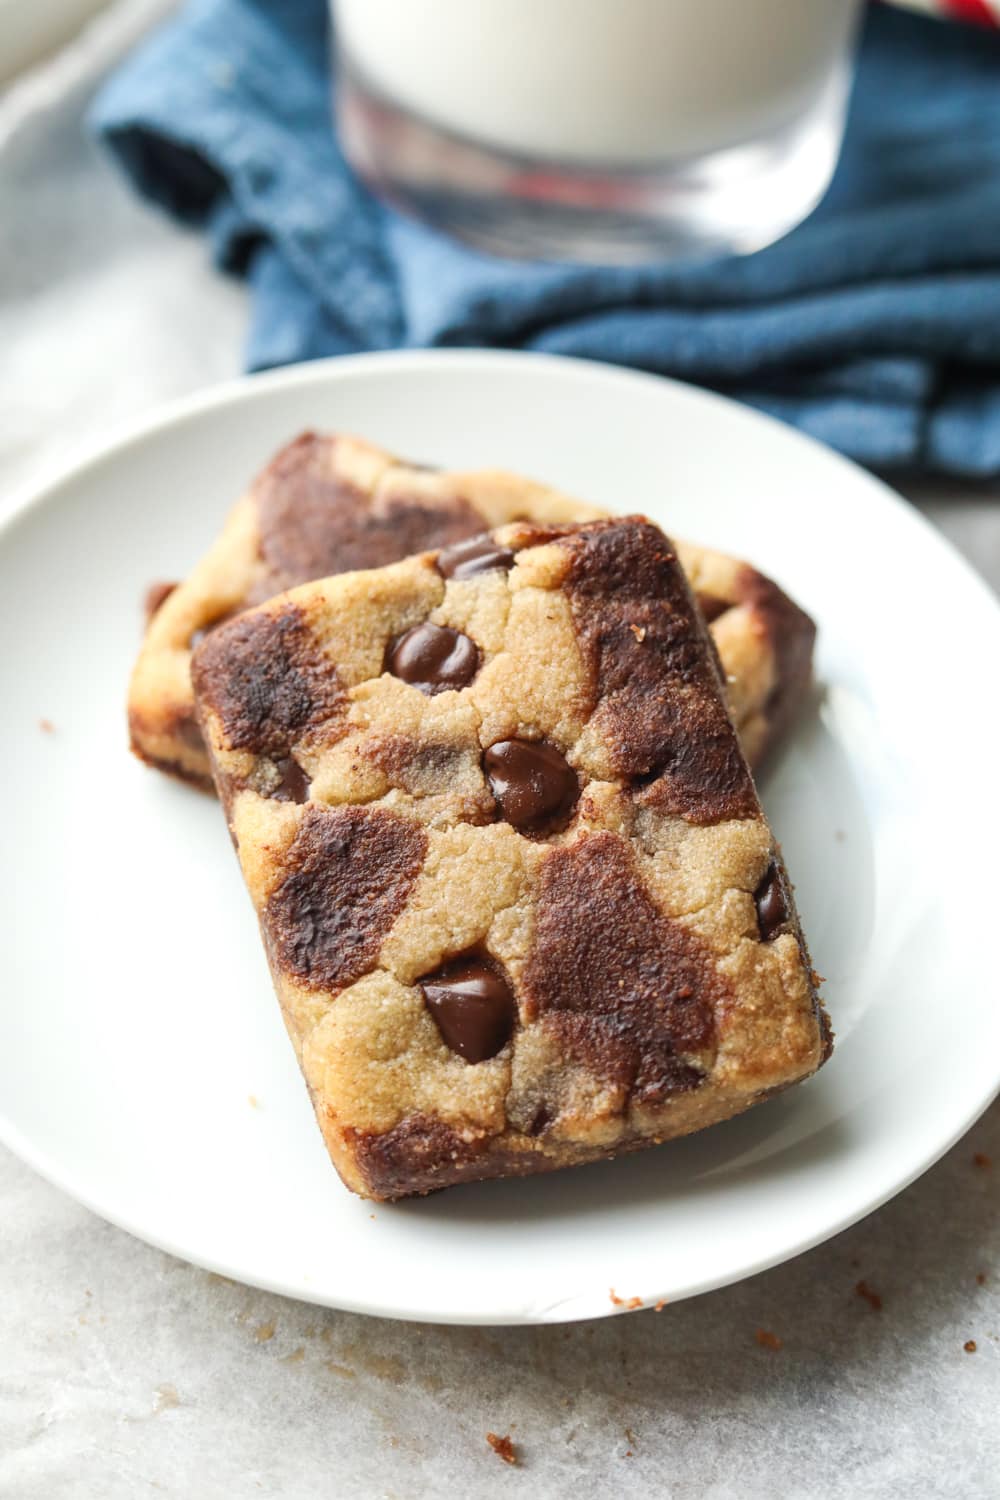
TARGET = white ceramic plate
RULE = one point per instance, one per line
(143, 1062)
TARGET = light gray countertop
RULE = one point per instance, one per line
(124, 1372)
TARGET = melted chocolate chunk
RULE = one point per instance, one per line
(535, 786)
(473, 1005)
(350, 871)
(657, 696)
(433, 658)
(769, 899)
(626, 991)
(293, 785)
(480, 554)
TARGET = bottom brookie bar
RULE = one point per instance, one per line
(519, 898)
(331, 504)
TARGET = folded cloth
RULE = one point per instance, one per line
(875, 325)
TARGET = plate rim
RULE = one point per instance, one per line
(131, 432)
(28, 499)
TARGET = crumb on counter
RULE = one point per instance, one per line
(871, 1297)
(969, 1346)
(660, 1305)
(46, 726)
(639, 631)
(502, 1447)
(264, 1331)
(980, 1159)
(768, 1340)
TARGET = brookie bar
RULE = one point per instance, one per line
(520, 902)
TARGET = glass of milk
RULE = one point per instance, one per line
(606, 130)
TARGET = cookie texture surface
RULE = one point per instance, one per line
(333, 504)
(521, 905)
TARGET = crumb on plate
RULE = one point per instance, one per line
(502, 1447)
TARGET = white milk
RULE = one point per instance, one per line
(602, 82)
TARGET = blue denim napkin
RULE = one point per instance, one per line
(875, 325)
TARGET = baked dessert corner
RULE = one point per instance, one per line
(521, 904)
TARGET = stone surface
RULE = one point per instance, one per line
(124, 1372)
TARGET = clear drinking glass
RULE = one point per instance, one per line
(597, 129)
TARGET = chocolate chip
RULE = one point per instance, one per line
(534, 785)
(480, 554)
(473, 1005)
(769, 899)
(293, 783)
(433, 658)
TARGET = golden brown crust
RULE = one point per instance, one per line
(647, 936)
(328, 504)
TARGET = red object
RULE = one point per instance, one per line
(971, 10)
(978, 12)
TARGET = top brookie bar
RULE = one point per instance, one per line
(328, 505)
(519, 898)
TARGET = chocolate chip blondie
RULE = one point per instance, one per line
(521, 904)
(332, 504)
